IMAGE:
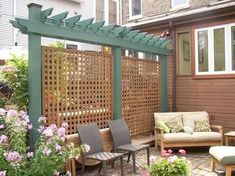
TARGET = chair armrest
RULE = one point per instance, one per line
(158, 131)
(217, 128)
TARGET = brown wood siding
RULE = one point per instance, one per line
(216, 96)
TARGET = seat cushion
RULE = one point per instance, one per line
(190, 117)
(178, 137)
(202, 126)
(206, 136)
(224, 154)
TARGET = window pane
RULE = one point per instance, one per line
(112, 12)
(233, 48)
(136, 7)
(203, 51)
(179, 2)
(99, 10)
(219, 49)
(184, 54)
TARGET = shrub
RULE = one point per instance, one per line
(50, 152)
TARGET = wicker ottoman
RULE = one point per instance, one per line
(225, 155)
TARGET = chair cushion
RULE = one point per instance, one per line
(178, 137)
(188, 129)
(202, 126)
(224, 154)
(175, 124)
(164, 117)
(190, 117)
(206, 136)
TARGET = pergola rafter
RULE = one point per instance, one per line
(42, 24)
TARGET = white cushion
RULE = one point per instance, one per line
(164, 116)
(178, 137)
(190, 117)
(206, 136)
(224, 154)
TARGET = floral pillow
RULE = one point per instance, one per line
(175, 124)
(202, 126)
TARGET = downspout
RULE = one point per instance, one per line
(173, 38)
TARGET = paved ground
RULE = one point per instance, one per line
(199, 158)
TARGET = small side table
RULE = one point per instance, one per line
(228, 136)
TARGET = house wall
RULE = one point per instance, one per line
(153, 8)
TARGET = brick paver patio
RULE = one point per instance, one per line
(199, 158)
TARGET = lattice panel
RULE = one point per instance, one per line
(77, 87)
(140, 94)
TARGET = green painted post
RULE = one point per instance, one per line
(34, 47)
(117, 83)
(163, 68)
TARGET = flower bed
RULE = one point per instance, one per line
(50, 152)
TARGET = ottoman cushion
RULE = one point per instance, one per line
(224, 154)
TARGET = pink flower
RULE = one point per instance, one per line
(56, 173)
(8, 69)
(46, 151)
(2, 112)
(48, 132)
(165, 153)
(30, 154)
(22, 113)
(61, 132)
(182, 152)
(3, 139)
(65, 125)
(13, 157)
(170, 151)
(3, 173)
(87, 148)
(58, 147)
(30, 126)
(12, 113)
(145, 173)
(41, 129)
(2, 127)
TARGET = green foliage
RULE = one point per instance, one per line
(15, 74)
(57, 45)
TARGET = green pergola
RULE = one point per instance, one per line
(59, 26)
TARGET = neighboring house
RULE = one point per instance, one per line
(12, 40)
(201, 70)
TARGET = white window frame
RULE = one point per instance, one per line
(134, 17)
(106, 10)
(211, 59)
(174, 6)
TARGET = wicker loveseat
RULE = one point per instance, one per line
(185, 139)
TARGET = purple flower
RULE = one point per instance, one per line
(30, 126)
(46, 151)
(12, 113)
(22, 113)
(30, 154)
(65, 125)
(2, 127)
(8, 69)
(61, 132)
(3, 139)
(3, 173)
(13, 157)
(171, 159)
(41, 129)
(2, 111)
(58, 147)
(42, 119)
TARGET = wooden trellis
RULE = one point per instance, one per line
(140, 93)
(77, 87)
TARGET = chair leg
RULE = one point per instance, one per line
(129, 155)
(134, 165)
(83, 165)
(100, 167)
(228, 171)
(104, 168)
(148, 156)
(121, 162)
(212, 164)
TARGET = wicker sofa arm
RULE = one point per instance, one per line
(217, 128)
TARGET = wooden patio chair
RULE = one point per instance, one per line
(122, 140)
(90, 135)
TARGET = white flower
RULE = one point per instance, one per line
(87, 147)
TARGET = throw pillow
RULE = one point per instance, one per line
(175, 124)
(163, 126)
(188, 129)
(202, 126)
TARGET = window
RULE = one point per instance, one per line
(179, 3)
(215, 50)
(135, 9)
(106, 10)
(184, 59)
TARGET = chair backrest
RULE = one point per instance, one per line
(120, 132)
(90, 135)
